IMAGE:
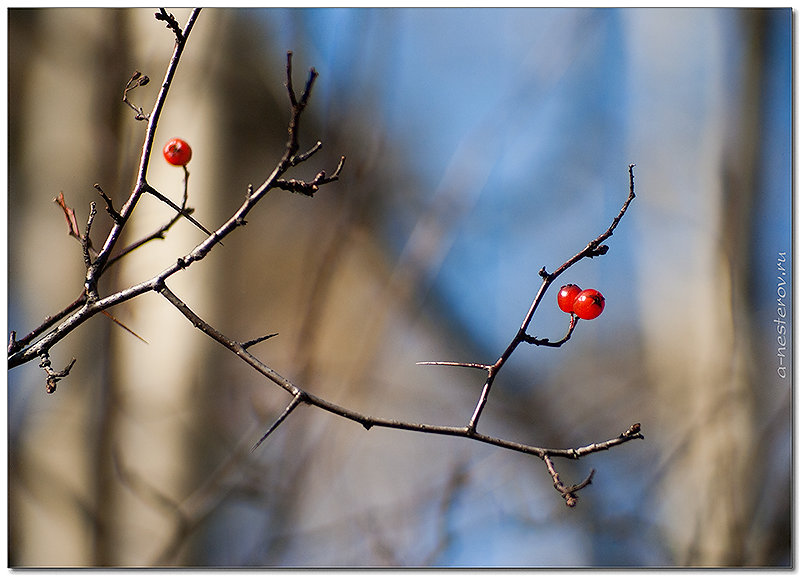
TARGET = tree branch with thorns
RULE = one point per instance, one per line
(39, 342)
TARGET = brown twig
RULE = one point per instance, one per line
(53, 376)
(109, 204)
(568, 493)
(138, 79)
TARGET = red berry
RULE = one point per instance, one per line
(567, 295)
(589, 304)
(177, 152)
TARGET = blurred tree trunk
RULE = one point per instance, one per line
(113, 435)
(703, 381)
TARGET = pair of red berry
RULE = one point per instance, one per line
(585, 304)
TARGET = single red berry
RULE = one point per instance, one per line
(567, 295)
(589, 304)
(177, 152)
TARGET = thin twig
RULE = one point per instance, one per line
(484, 367)
(54, 376)
(568, 493)
(185, 213)
(109, 204)
(138, 79)
(121, 325)
(86, 242)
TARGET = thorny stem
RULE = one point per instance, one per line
(593, 248)
(301, 396)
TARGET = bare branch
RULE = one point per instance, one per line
(297, 109)
(159, 234)
(139, 188)
(368, 422)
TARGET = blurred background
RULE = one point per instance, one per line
(482, 145)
